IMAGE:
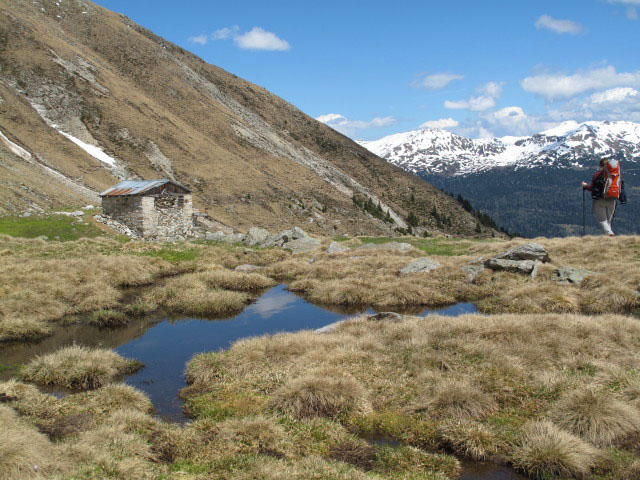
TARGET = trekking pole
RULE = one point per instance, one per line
(583, 220)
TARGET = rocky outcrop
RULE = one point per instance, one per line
(571, 275)
(419, 265)
(295, 239)
(527, 251)
(522, 259)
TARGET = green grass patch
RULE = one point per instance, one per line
(54, 227)
(433, 246)
(187, 466)
(341, 238)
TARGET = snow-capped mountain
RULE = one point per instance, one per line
(571, 144)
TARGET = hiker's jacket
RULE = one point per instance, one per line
(593, 180)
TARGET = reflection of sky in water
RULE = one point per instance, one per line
(166, 346)
(272, 303)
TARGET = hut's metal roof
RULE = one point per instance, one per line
(136, 187)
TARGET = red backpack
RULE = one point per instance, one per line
(612, 184)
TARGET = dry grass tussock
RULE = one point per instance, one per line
(322, 394)
(545, 451)
(22, 447)
(371, 277)
(35, 291)
(190, 294)
(597, 416)
(492, 374)
(78, 367)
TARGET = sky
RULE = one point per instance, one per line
(374, 68)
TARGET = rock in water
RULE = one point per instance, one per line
(424, 264)
(337, 247)
(386, 317)
(571, 275)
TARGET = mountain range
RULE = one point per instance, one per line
(88, 97)
(529, 184)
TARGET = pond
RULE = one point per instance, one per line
(165, 345)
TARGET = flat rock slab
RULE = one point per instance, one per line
(220, 236)
(522, 266)
(328, 328)
(337, 247)
(302, 245)
(571, 275)
(424, 264)
(390, 246)
(528, 251)
(247, 268)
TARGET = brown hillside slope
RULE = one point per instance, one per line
(250, 157)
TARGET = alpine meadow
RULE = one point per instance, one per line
(421, 265)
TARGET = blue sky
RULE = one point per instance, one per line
(369, 69)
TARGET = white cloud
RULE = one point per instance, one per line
(350, 127)
(632, 13)
(200, 39)
(615, 95)
(443, 123)
(559, 86)
(259, 39)
(626, 2)
(436, 81)
(492, 89)
(475, 104)
(225, 33)
(558, 26)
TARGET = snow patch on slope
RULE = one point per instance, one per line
(95, 152)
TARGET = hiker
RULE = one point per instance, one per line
(604, 202)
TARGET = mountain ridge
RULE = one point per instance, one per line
(570, 144)
(92, 98)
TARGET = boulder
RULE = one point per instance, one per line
(527, 251)
(386, 317)
(423, 264)
(247, 268)
(220, 236)
(516, 266)
(474, 269)
(302, 245)
(390, 246)
(215, 236)
(279, 239)
(256, 236)
(337, 247)
(571, 275)
(328, 328)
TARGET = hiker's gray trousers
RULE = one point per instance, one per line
(603, 209)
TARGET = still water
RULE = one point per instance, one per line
(165, 345)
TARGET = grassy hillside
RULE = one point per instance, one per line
(250, 157)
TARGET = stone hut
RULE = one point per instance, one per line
(153, 209)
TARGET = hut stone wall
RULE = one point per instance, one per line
(166, 216)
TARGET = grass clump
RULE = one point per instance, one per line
(22, 447)
(418, 463)
(597, 416)
(456, 398)
(469, 439)
(322, 394)
(107, 318)
(547, 451)
(12, 329)
(78, 367)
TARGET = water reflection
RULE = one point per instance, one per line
(166, 344)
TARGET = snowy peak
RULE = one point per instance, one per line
(570, 144)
